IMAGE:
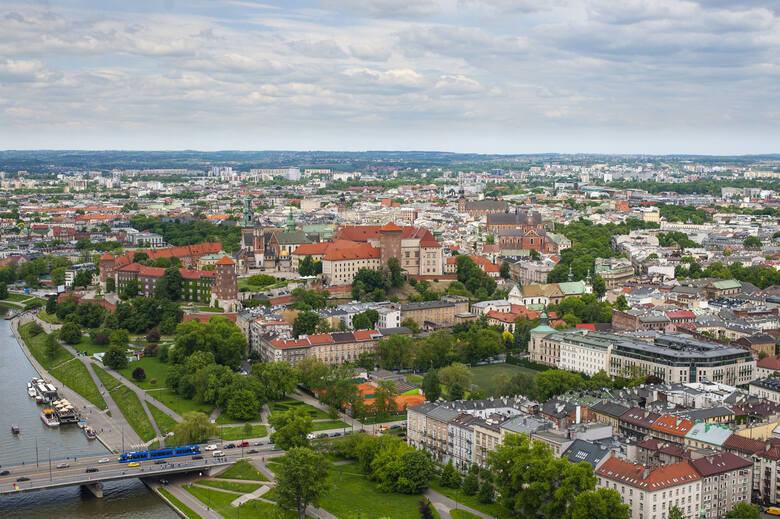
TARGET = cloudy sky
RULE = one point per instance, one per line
(493, 76)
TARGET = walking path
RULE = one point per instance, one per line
(444, 503)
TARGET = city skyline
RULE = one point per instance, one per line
(487, 76)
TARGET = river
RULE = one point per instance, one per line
(129, 499)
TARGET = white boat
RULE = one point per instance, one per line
(30, 390)
(49, 418)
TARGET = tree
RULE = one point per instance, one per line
(431, 386)
(306, 266)
(70, 333)
(194, 428)
(425, 509)
(116, 357)
(51, 305)
(743, 510)
(486, 492)
(57, 276)
(243, 405)
(3, 290)
(31, 281)
(556, 382)
(450, 477)
(751, 242)
(305, 323)
(52, 347)
(139, 374)
(398, 467)
(291, 428)
(621, 303)
(130, 289)
(470, 484)
(384, 399)
(535, 255)
(599, 286)
(83, 278)
(504, 270)
(301, 479)
(110, 285)
(396, 273)
(140, 257)
(278, 377)
(169, 285)
(676, 513)
(604, 503)
(411, 324)
(455, 374)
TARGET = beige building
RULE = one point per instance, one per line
(431, 314)
(332, 348)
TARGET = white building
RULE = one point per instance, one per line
(585, 352)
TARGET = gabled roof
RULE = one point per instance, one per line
(225, 260)
(723, 462)
(673, 425)
(657, 479)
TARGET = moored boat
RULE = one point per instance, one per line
(89, 433)
(49, 418)
(15, 429)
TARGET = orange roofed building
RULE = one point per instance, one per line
(331, 348)
(371, 246)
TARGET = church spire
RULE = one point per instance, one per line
(290, 227)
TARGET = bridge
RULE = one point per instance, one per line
(46, 475)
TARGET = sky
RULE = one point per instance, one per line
(479, 76)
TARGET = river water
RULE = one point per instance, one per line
(129, 499)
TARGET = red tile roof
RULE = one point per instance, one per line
(225, 260)
(743, 444)
(673, 425)
(772, 362)
(390, 227)
(723, 462)
(659, 478)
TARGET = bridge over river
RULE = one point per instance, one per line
(46, 475)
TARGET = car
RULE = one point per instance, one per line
(257, 443)
(160, 462)
(63, 465)
(5, 473)
(93, 469)
(211, 447)
(322, 435)
(230, 446)
(23, 478)
(395, 426)
(197, 457)
(103, 460)
(311, 436)
(244, 444)
(335, 434)
(772, 511)
(252, 451)
(133, 464)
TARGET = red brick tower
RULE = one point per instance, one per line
(389, 243)
(225, 290)
(107, 264)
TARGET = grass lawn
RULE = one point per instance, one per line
(37, 346)
(492, 509)
(237, 433)
(18, 298)
(49, 318)
(415, 379)
(230, 485)
(212, 309)
(154, 369)
(243, 470)
(164, 422)
(224, 419)
(220, 501)
(330, 424)
(352, 494)
(482, 376)
(74, 374)
(129, 404)
(462, 514)
(186, 510)
(179, 404)
(90, 347)
(13, 306)
(285, 405)
(368, 420)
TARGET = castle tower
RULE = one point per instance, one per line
(107, 264)
(389, 243)
(342, 207)
(461, 200)
(225, 289)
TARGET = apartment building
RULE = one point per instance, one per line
(651, 492)
(726, 480)
(332, 348)
(767, 388)
(585, 351)
(432, 314)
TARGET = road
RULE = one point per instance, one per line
(76, 473)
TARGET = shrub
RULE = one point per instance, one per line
(470, 484)
(153, 381)
(34, 329)
(139, 374)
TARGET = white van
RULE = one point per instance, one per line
(211, 447)
(217, 454)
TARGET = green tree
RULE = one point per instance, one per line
(278, 377)
(535, 255)
(169, 286)
(621, 303)
(455, 374)
(751, 242)
(487, 492)
(305, 323)
(599, 285)
(450, 477)
(3, 290)
(57, 276)
(556, 382)
(52, 347)
(139, 374)
(504, 271)
(110, 285)
(116, 357)
(397, 467)
(743, 510)
(604, 503)
(470, 485)
(243, 405)
(676, 513)
(411, 324)
(195, 427)
(396, 273)
(431, 386)
(291, 428)
(306, 266)
(384, 399)
(130, 289)
(83, 278)
(301, 479)
(51, 305)
(140, 257)
(70, 333)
